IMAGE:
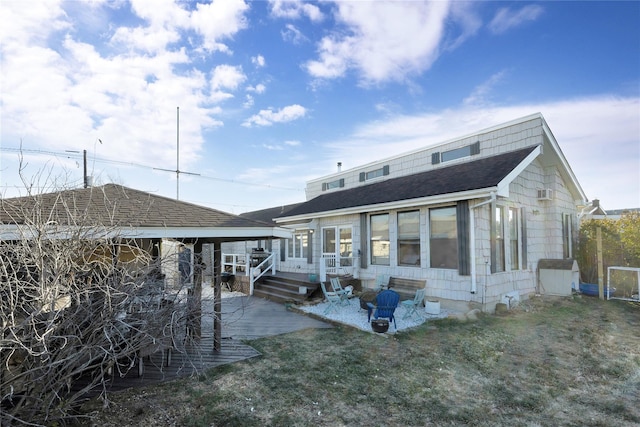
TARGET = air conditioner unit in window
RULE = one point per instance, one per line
(545, 194)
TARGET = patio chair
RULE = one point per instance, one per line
(382, 282)
(338, 289)
(411, 305)
(386, 304)
(333, 298)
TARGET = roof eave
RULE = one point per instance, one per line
(581, 196)
(503, 185)
(402, 204)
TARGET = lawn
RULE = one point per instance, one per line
(549, 362)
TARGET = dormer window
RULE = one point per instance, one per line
(338, 183)
(376, 173)
(457, 153)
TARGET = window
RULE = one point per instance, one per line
(346, 247)
(443, 238)
(457, 153)
(373, 174)
(338, 183)
(567, 247)
(379, 239)
(409, 238)
(377, 173)
(298, 247)
(499, 224)
(514, 245)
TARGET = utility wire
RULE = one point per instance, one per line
(78, 155)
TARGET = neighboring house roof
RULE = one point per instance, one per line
(618, 212)
(142, 214)
(267, 215)
(486, 173)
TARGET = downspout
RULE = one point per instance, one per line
(472, 246)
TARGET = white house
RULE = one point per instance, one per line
(470, 217)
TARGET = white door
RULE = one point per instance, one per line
(337, 249)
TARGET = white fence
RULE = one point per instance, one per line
(625, 290)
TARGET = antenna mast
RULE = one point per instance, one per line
(177, 153)
(177, 171)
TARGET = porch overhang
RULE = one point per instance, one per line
(18, 232)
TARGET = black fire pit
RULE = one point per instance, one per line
(380, 325)
(367, 297)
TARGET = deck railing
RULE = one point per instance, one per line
(268, 264)
(236, 262)
(342, 266)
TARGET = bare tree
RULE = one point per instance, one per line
(78, 304)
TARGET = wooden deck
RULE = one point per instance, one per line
(243, 318)
(184, 363)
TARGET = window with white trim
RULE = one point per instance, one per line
(508, 240)
(514, 239)
(298, 246)
(567, 241)
(380, 245)
(443, 238)
(500, 250)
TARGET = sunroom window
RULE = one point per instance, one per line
(514, 239)
(409, 238)
(380, 245)
(443, 238)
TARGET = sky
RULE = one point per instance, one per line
(248, 100)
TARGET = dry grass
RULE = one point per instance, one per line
(573, 362)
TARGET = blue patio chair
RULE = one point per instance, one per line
(386, 304)
(332, 298)
(411, 305)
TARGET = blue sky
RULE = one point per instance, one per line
(274, 93)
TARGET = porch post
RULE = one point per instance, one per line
(194, 295)
(217, 298)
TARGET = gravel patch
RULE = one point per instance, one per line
(354, 316)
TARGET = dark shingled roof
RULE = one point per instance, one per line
(267, 215)
(483, 173)
(115, 205)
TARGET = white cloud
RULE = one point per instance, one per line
(293, 35)
(480, 94)
(18, 28)
(292, 143)
(506, 18)
(258, 61)
(62, 93)
(269, 117)
(465, 16)
(218, 20)
(382, 41)
(295, 9)
(259, 88)
(248, 101)
(227, 77)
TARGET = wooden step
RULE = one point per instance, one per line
(284, 289)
